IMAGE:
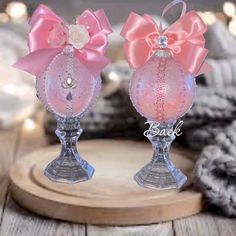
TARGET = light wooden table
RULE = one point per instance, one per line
(15, 221)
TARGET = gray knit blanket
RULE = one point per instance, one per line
(210, 127)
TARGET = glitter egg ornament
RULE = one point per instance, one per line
(67, 88)
(162, 88)
(67, 61)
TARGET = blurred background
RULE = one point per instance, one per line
(211, 121)
(113, 115)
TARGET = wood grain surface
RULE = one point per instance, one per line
(112, 197)
(16, 221)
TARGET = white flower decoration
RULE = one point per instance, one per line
(78, 36)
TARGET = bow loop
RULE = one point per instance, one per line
(184, 39)
(96, 19)
(43, 12)
(187, 27)
(138, 27)
(49, 34)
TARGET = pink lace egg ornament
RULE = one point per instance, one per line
(67, 88)
(161, 90)
(67, 61)
(163, 86)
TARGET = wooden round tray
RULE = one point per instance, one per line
(111, 197)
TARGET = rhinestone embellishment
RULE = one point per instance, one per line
(69, 96)
(69, 82)
(162, 41)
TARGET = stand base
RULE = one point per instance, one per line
(161, 175)
(69, 170)
(111, 197)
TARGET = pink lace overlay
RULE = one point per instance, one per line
(161, 68)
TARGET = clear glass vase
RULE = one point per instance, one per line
(160, 172)
(69, 167)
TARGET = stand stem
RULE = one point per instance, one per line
(69, 167)
(160, 173)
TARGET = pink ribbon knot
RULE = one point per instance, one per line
(49, 35)
(184, 39)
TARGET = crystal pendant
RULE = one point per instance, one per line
(162, 41)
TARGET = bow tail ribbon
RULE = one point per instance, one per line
(92, 60)
(191, 58)
(36, 62)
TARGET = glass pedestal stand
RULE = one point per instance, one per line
(69, 167)
(160, 173)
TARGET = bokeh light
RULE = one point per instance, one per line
(208, 17)
(229, 9)
(17, 11)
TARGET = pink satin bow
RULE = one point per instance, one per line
(185, 40)
(49, 36)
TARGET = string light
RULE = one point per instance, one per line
(208, 17)
(3, 17)
(232, 27)
(10, 88)
(17, 11)
(229, 9)
(29, 124)
(113, 76)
